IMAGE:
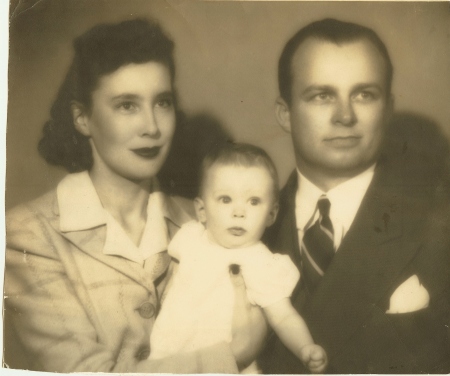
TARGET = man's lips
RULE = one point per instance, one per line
(237, 231)
(148, 153)
(343, 142)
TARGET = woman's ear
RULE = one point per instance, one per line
(80, 119)
(283, 115)
(200, 210)
(272, 215)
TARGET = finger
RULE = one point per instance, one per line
(319, 369)
(317, 353)
(315, 363)
(236, 276)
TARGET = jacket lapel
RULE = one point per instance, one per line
(91, 242)
(282, 237)
(370, 259)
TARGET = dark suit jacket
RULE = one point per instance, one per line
(400, 230)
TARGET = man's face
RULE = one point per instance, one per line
(339, 108)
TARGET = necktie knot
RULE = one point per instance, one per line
(324, 206)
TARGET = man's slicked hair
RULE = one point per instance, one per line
(330, 30)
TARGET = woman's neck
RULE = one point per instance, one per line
(125, 200)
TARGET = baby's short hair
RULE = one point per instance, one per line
(239, 154)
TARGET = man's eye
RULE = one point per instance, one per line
(225, 199)
(255, 201)
(165, 103)
(322, 97)
(365, 96)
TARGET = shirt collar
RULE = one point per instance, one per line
(345, 198)
(80, 209)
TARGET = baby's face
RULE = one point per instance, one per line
(237, 204)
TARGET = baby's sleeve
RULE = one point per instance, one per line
(183, 239)
(269, 277)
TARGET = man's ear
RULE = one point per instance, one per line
(80, 118)
(283, 115)
(200, 210)
(272, 215)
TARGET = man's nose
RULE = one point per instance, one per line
(344, 113)
(149, 124)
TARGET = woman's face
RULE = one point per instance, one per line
(131, 122)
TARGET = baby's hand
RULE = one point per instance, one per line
(314, 357)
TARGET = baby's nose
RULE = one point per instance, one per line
(239, 212)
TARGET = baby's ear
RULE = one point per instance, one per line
(200, 210)
(272, 215)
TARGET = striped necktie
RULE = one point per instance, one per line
(317, 246)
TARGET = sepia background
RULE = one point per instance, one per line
(226, 56)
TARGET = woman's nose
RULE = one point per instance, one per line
(344, 113)
(150, 124)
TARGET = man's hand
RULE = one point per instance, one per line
(249, 326)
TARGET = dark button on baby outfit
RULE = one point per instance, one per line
(147, 310)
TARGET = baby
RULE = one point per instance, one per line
(238, 200)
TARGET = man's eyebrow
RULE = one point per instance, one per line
(368, 85)
(165, 94)
(314, 88)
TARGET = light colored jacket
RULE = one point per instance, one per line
(75, 309)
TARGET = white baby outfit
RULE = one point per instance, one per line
(197, 311)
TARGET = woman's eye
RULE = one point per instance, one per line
(225, 199)
(255, 201)
(127, 106)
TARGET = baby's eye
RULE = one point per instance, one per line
(225, 199)
(255, 201)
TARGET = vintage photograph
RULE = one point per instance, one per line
(227, 187)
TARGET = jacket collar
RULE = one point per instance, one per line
(82, 224)
(79, 206)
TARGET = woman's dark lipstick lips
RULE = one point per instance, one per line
(148, 153)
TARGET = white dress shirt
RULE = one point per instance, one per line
(345, 201)
(81, 209)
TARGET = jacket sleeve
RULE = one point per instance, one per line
(53, 325)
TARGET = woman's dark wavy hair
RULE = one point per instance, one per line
(98, 52)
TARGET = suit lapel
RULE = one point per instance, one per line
(372, 255)
(282, 237)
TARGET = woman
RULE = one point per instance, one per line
(86, 264)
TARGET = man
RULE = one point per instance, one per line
(364, 216)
